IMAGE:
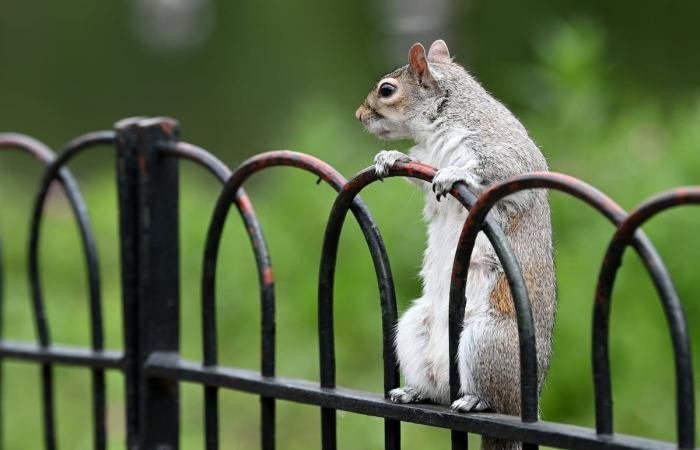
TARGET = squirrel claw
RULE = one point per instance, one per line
(438, 194)
(405, 395)
(385, 159)
(469, 403)
(445, 179)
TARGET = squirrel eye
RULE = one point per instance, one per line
(386, 90)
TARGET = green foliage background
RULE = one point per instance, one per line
(609, 92)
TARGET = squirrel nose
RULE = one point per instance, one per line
(358, 112)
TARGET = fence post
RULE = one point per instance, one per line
(149, 215)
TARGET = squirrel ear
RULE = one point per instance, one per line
(438, 52)
(419, 64)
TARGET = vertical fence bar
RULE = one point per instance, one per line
(48, 406)
(149, 213)
(268, 330)
(158, 280)
(326, 338)
(127, 187)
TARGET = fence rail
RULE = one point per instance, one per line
(148, 151)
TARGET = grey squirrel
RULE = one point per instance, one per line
(469, 136)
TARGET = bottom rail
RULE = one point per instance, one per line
(72, 356)
(170, 366)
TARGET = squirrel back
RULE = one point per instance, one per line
(470, 137)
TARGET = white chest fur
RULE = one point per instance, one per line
(422, 337)
(445, 221)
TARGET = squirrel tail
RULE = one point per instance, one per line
(488, 443)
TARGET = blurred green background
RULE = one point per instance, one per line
(609, 90)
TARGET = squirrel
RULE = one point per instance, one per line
(470, 137)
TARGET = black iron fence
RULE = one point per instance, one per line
(148, 152)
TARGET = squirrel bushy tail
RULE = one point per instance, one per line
(489, 443)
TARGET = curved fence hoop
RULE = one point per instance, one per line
(262, 256)
(45, 155)
(628, 231)
(474, 223)
(267, 292)
(330, 248)
(198, 155)
(36, 148)
(53, 170)
(617, 216)
(335, 180)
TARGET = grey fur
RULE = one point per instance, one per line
(445, 99)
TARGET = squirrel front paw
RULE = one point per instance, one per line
(469, 403)
(385, 159)
(445, 178)
(405, 395)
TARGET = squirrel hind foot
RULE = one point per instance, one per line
(469, 403)
(406, 395)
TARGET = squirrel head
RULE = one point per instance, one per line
(409, 99)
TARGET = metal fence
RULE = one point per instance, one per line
(148, 152)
